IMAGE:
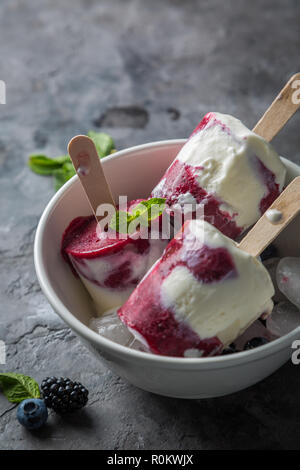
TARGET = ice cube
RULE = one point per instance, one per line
(138, 346)
(288, 279)
(271, 265)
(284, 318)
(110, 326)
(256, 330)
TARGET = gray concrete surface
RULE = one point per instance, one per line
(143, 71)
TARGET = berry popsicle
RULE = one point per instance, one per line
(199, 296)
(109, 266)
(229, 169)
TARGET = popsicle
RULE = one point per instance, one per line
(232, 171)
(109, 263)
(109, 266)
(202, 294)
(208, 289)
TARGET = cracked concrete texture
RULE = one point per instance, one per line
(68, 66)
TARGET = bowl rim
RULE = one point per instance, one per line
(92, 337)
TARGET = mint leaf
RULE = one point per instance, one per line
(120, 221)
(151, 208)
(63, 174)
(145, 211)
(18, 387)
(44, 165)
(103, 142)
(61, 167)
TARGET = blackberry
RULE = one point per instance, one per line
(255, 342)
(63, 395)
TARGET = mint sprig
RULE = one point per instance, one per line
(61, 167)
(18, 387)
(103, 142)
(63, 174)
(44, 165)
(145, 211)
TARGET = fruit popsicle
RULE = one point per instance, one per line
(199, 296)
(109, 266)
(233, 172)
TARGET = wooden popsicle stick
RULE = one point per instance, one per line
(264, 231)
(88, 166)
(281, 110)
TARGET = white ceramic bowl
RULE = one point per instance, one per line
(134, 172)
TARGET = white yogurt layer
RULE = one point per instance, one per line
(229, 170)
(100, 268)
(226, 308)
(105, 298)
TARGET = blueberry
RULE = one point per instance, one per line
(255, 342)
(32, 413)
(269, 252)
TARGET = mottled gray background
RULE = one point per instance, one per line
(67, 66)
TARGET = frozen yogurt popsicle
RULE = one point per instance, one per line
(235, 173)
(199, 296)
(110, 267)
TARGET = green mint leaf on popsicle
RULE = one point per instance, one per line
(120, 221)
(145, 211)
(18, 387)
(152, 208)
